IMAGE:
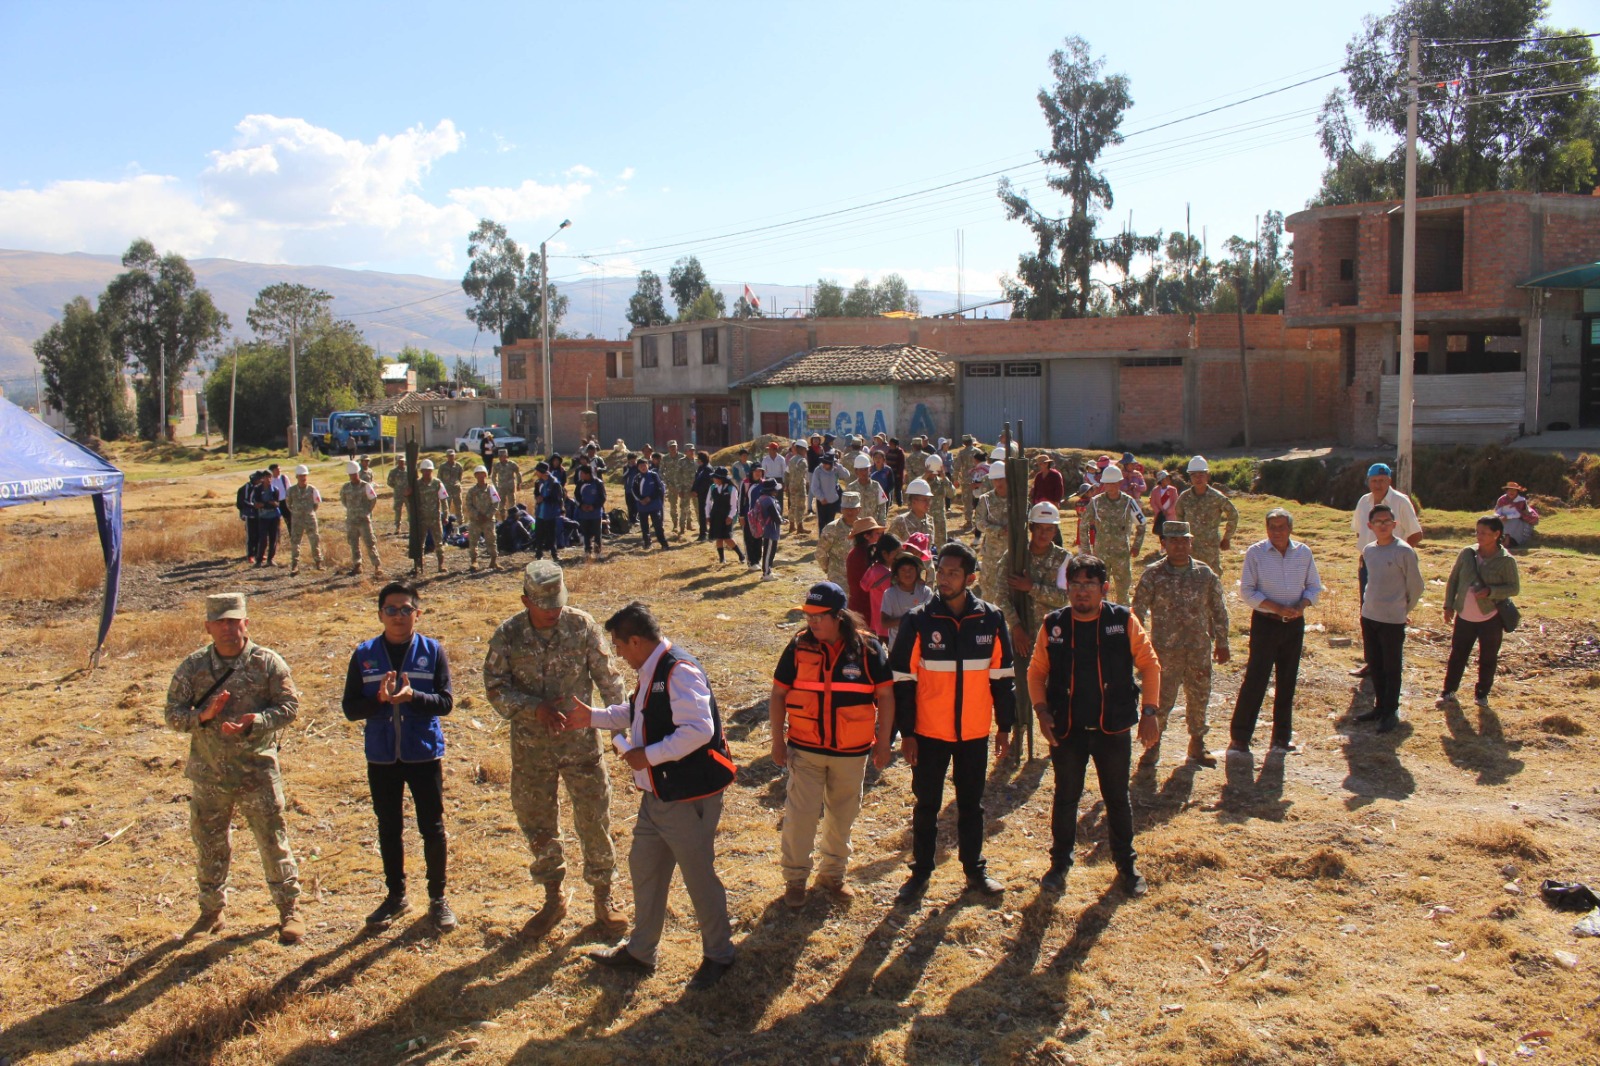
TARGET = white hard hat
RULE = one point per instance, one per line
(304, 469)
(919, 487)
(862, 462)
(1045, 513)
(998, 453)
(1198, 465)
(1111, 475)
(933, 462)
(481, 470)
(997, 471)
(352, 467)
(426, 464)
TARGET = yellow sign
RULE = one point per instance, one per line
(819, 415)
(390, 425)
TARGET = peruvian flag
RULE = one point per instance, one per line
(751, 297)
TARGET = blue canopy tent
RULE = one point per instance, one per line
(38, 464)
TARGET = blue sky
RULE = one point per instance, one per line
(374, 136)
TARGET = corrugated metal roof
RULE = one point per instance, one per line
(866, 364)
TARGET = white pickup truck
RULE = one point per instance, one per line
(503, 438)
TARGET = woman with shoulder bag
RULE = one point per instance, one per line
(1477, 602)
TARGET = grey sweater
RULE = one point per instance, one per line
(1394, 581)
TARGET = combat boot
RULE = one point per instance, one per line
(1199, 754)
(607, 917)
(291, 927)
(549, 915)
(210, 921)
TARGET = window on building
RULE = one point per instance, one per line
(441, 416)
(708, 347)
(1024, 370)
(516, 367)
(1441, 243)
(680, 349)
(647, 353)
(1305, 279)
(1347, 270)
(619, 364)
(1154, 360)
(1347, 355)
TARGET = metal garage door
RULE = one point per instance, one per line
(996, 393)
(628, 419)
(1083, 403)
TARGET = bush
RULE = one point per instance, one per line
(1305, 480)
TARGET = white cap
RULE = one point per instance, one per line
(426, 464)
(862, 462)
(1045, 513)
(1111, 475)
(997, 471)
(480, 470)
(919, 487)
(998, 453)
(1198, 465)
(304, 469)
(933, 462)
(352, 467)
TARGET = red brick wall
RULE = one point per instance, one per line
(1289, 393)
(573, 365)
(1150, 404)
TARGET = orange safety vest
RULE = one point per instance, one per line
(835, 715)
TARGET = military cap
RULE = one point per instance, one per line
(543, 584)
(221, 605)
(849, 501)
(1175, 529)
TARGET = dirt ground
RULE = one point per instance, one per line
(1372, 900)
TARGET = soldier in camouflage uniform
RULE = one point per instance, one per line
(430, 510)
(994, 522)
(677, 472)
(847, 458)
(480, 505)
(1211, 516)
(916, 459)
(943, 495)
(916, 518)
(834, 542)
(397, 484)
(874, 501)
(303, 502)
(450, 476)
(507, 480)
(358, 496)
(964, 460)
(365, 468)
(539, 661)
(795, 482)
(1043, 582)
(232, 697)
(1188, 623)
(1116, 525)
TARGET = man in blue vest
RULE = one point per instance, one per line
(648, 495)
(398, 683)
(680, 762)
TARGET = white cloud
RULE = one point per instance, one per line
(502, 144)
(578, 170)
(626, 175)
(287, 190)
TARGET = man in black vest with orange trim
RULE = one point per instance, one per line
(680, 761)
(954, 681)
(1087, 702)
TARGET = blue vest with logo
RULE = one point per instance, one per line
(396, 733)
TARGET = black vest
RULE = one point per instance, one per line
(1119, 692)
(703, 772)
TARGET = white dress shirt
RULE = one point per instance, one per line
(691, 713)
(1406, 525)
(1284, 578)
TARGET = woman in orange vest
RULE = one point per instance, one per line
(832, 703)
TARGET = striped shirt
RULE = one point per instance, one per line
(1284, 578)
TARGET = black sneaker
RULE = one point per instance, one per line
(910, 893)
(1055, 878)
(709, 973)
(391, 908)
(443, 918)
(1368, 716)
(1133, 882)
(1388, 723)
(984, 885)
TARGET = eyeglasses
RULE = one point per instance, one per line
(1085, 584)
(400, 612)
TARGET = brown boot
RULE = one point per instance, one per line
(837, 887)
(607, 917)
(1199, 754)
(549, 915)
(794, 894)
(291, 927)
(208, 922)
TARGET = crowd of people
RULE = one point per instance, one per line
(912, 635)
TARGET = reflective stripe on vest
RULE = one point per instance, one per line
(825, 714)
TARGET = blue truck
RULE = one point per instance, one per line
(343, 432)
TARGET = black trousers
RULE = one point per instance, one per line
(646, 520)
(388, 782)
(590, 527)
(1113, 761)
(826, 512)
(1487, 636)
(544, 537)
(1274, 645)
(266, 538)
(700, 512)
(752, 545)
(252, 535)
(1382, 642)
(935, 759)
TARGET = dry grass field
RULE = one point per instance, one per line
(1373, 900)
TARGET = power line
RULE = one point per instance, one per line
(1509, 40)
(396, 307)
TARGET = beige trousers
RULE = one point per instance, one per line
(825, 788)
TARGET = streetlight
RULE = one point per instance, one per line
(544, 333)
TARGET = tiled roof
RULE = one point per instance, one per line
(856, 365)
(408, 403)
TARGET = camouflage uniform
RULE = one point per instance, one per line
(847, 459)
(916, 464)
(397, 484)
(430, 509)
(358, 522)
(303, 503)
(678, 473)
(449, 475)
(507, 478)
(1187, 616)
(795, 486)
(943, 493)
(239, 771)
(874, 502)
(963, 461)
(480, 507)
(1046, 595)
(1118, 538)
(833, 548)
(366, 475)
(525, 667)
(994, 520)
(906, 523)
(1206, 515)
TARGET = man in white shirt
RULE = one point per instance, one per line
(680, 762)
(1380, 479)
(1279, 581)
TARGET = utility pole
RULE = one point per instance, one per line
(544, 334)
(1408, 287)
(294, 403)
(161, 377)
(233, 392)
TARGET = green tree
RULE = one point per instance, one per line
(336, 371)
(828, 300)
(82, 375)
(646, 306)
(687, 279)
(468, 377)
(706, 306)
(860, 301)
(160, 321)
(283, 314)
(430, 368)
(893, 294)
(495, 268)
(1084, 111)
(743, 308)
